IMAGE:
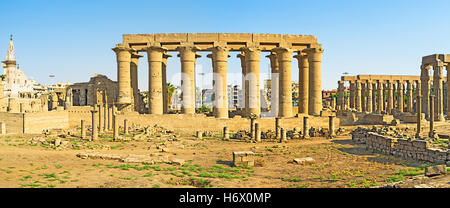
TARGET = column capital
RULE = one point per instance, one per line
(220, 53)
(315, 54)
(283, 53)
(252, 53)
(119, 49)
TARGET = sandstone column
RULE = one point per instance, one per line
(115, 127)
(425, 88)
(374, 97)
(409, 96)
(252, 58)
(123, 73)
(438, 78)
(352, 96)
(274, 84)
(315, 80)
(220, 59)
(448, 91)
(110, 117)
(164, 82)
(358, 95)
(418, 92)
(331, 127)
(419, 116)
(244, 91)
(155, 83)
(125, 126)
(83, 129)
(341, 95)
(100, 118)
(303, 81)
(369, 97)
(390, 97)
(400, 98)
(187, 58)
(257, 133)
(284, 56)
(277, 127)
(226, 134)
(94, 124)
(305, 127)
(432, 101)
(134, 79)
(380, 96)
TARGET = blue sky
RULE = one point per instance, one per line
(73, 39)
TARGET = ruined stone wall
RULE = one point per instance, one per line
(34, 123)
(407, 149)
(78, 113)
(13, 122)
(193, 123)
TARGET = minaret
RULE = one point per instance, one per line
(9, 64)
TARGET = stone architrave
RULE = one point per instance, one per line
(123, 73)
(252, 62)
(284, 56)
(155, 83)
(187, 57)
(315, 80)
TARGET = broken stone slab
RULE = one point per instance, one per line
(435, 170)
(304, 161)
(178, 162)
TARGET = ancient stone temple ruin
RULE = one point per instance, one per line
(282, 47)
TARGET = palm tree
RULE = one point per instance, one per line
(2, 77)
(170, 90)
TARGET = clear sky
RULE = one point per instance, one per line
(73, 39)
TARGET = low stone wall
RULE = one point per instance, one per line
(198, 122)
(405, 148)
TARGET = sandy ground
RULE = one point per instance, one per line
(338, 163)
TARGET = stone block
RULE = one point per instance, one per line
(435, 170)
(304, 161)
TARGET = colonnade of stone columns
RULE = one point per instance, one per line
(435, 85)
(381, 96)
(281, 58)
